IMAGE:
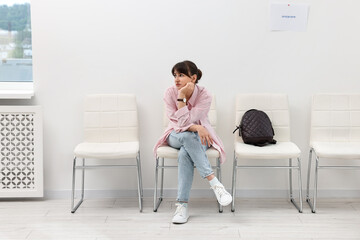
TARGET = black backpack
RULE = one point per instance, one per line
(255, 128)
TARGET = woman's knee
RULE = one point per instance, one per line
(188, 137)
(183, 154)
(183, 157)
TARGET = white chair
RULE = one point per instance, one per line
(167, 152)
(276, 107)
(334, 134)
(111, 133)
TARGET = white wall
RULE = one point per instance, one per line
(117, 46)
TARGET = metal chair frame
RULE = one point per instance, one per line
(317, 168)
(157, 201)
(299, 206)
(83, 167)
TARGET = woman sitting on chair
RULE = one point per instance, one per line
(189, 130)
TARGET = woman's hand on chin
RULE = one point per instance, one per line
(187, 90)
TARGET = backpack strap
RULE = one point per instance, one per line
(237, 128)
(273, 141)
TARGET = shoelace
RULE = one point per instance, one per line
(219, 190)
(180, 209)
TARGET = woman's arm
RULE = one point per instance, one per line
(198, 112)
(185, 92)
(182, 118)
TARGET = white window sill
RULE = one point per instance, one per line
(16, 90)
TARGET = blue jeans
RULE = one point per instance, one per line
(191, 153)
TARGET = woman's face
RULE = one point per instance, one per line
(181, 79)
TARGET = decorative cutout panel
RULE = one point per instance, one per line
(21, 170)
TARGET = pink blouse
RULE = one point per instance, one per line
(194, 113)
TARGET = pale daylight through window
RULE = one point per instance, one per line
(15, 41)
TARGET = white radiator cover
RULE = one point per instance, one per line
(21, 152)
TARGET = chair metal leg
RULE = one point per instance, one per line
(83, 179)
(300, 186)
(162, 179)
(308, 200)
(219, 169)
(141, 185)
(292, 200)
(73, 186)
(290, 179)
(73, 209)
(218, 175)
(308, 176)
(316, 183)
(156, 201)
(233, 188)
(139, 178)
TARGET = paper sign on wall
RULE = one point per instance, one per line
(288, 17)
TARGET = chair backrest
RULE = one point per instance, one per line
(276, 106)
(111, 118)
(335, 118)
(212, 115)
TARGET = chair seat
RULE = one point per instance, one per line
(342, 150)
(279, 150)
(169, 152)
(107, 150)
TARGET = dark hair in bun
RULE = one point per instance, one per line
(188, 68)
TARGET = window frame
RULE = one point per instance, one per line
(18, 89)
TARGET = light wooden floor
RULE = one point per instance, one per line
(254, 219)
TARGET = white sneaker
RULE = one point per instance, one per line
(181, 214)
(223, 197)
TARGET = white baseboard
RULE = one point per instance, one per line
(201, 193)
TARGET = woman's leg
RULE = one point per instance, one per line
(185, 175)
(185, 178)
(185, 168)
(191, 143)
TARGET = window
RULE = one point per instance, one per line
(15, 43)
